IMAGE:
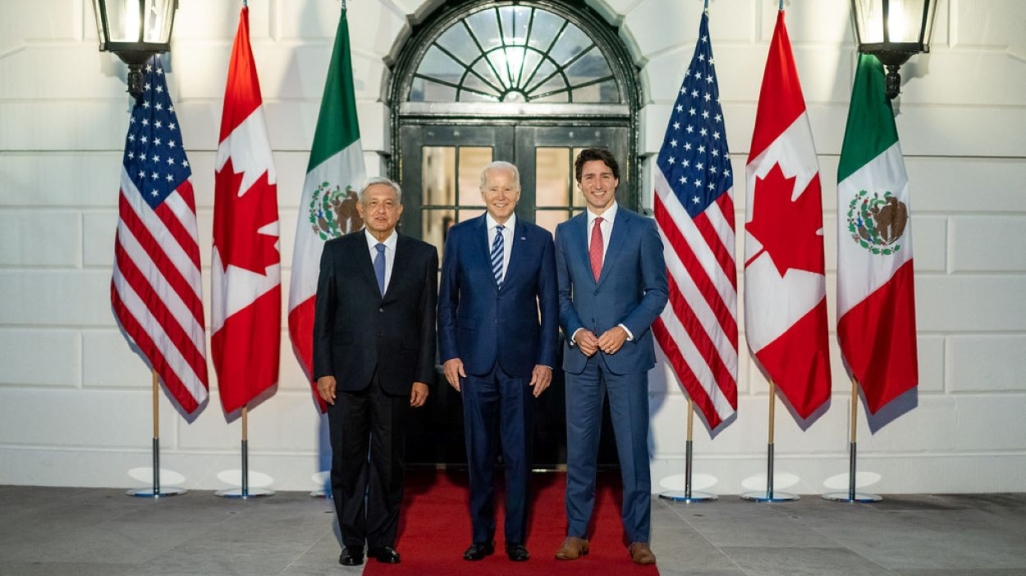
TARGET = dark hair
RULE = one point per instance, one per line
(600, 154)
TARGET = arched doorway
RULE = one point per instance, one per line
(530, 82)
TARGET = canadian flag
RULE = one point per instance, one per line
(785, 282)
(246, 267)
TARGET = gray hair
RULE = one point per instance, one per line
(500, 165)
(381, 180)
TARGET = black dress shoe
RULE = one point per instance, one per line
(479, 551)
(517, 552)
(385, 555)
(351, 556)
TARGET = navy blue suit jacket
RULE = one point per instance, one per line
(481, 323)
(631, 290)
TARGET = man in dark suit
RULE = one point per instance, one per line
(374, 356)
(612, 286)
(498, 324)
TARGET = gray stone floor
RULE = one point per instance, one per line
(87, 532)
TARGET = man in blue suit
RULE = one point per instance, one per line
(498, 327)
(612, 286)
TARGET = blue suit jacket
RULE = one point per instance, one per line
(632, 289)
(481, 323)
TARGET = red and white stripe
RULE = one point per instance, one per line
(697, 330)
(156, 288)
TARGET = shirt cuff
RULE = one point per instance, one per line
(630, 337)
(573, 337)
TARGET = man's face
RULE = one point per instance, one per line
(380, 210)
(500, 194)
(598, 185)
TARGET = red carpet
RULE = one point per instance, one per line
(435, 530)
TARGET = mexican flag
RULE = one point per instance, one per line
(876, 307)
(328, 207)
(785, 281)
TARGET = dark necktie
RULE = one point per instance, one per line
(595, 248)
(498, 247)
(379, 267)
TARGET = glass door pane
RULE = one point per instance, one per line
(440, 175)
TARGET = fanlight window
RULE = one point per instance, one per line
(514, 54)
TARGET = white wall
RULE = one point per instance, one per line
(75, 402)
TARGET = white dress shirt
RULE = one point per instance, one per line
(389, 243)
(507, 238)
(606, 227)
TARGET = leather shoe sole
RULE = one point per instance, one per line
(385, 555)
(641, 553)
(517, 552)
(350, 557)
(479, 551)
(572, 548)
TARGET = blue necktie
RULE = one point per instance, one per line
(497, 254)
(379, 267)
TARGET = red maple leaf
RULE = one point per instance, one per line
(237, 219)
(788, 230)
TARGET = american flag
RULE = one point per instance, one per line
(694, 209)
(155, 290)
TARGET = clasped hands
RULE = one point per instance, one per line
(609, 342)
(541, 376)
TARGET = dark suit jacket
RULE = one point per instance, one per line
(357, 331)
(481, 323)
(632, 289)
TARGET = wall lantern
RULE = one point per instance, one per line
(135, 30)
(893, 31)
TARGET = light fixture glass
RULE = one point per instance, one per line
(893, 31)
(135, 30)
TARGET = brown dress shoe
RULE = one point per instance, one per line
(573, 548)
(641, 553)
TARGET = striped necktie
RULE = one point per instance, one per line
(498, 248)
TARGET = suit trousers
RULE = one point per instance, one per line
(368, 445)
(498, 409)
(628, 409)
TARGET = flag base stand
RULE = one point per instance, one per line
(159, 493)
(156, 490)
(770, 497)
(244, 494)
(688, 498)
(687, 495)
(851, 496)
(857, 497)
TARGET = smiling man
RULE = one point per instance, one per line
(612, 286)
(498, 326)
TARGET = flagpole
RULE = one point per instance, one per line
(245, 492)
(769, 495)
(688, 496)
(852, 495)
(155, 491)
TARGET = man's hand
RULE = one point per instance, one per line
(418, 395)
(541, 377)
(326, 389)
(453, 369)
(612, 340)
(587, 342)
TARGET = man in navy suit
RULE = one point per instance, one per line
(612, 286)
(374, 357)
(498, 328)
